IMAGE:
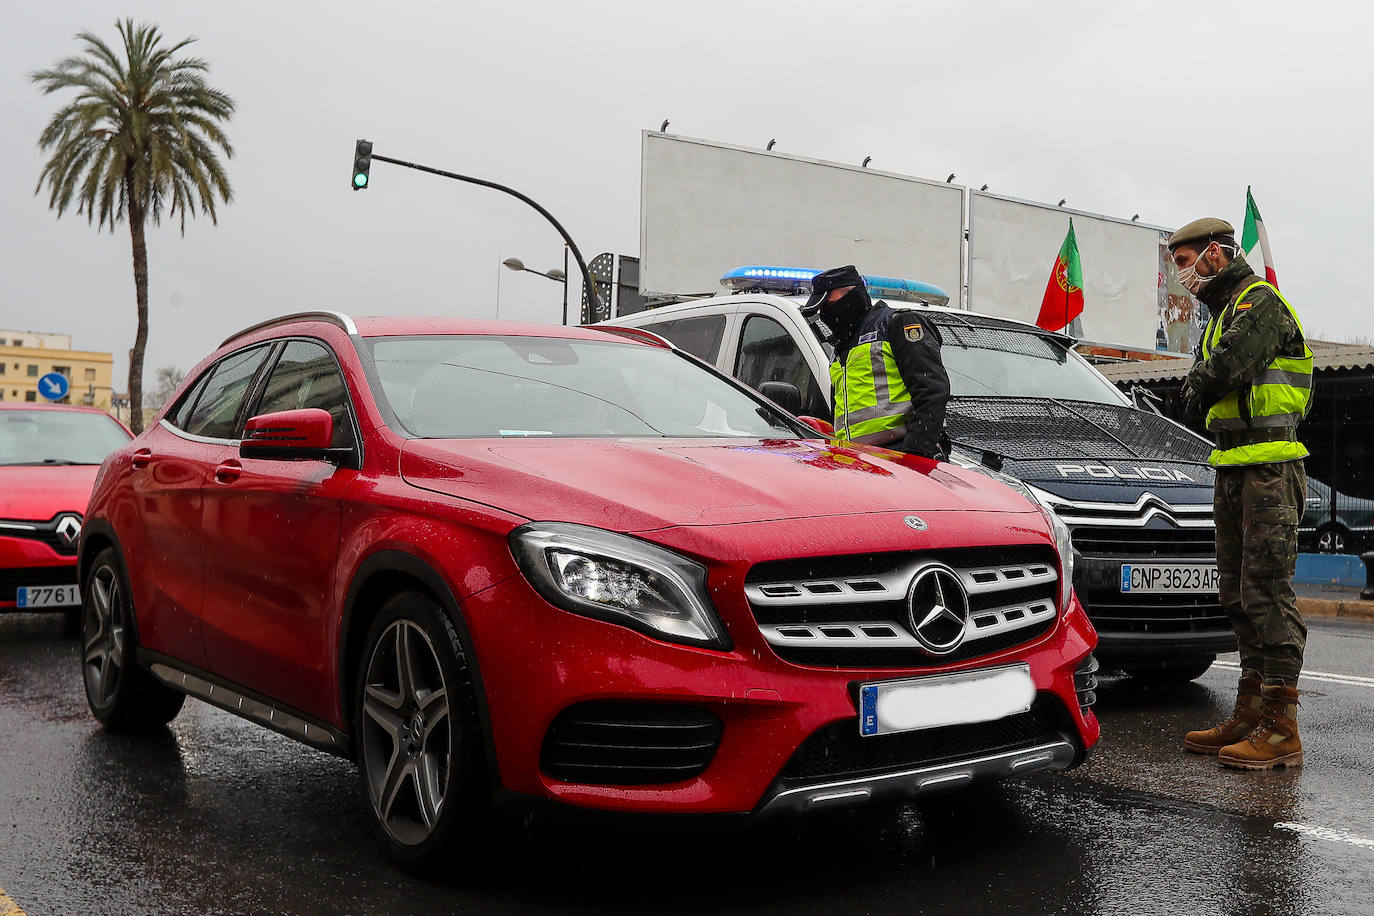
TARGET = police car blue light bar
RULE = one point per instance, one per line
(796, 281)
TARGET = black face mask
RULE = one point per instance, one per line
(843, 316)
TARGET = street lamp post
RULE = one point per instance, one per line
(554, 273)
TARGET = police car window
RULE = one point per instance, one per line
(217, 408)
(767, 353)
(307, 376)
(700, 337)
(984, 362)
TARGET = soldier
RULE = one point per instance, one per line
(1253, 378)
(888, 381)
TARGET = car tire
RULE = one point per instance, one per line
(416, 734)
(122, 696)
(1174, 673)
(1332, 538)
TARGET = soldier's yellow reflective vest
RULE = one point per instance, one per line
(872, 402)
(1259, 424)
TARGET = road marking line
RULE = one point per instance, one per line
(7, 906)
(1355, 680)
(1327, 833)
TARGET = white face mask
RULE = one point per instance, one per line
(1194, 282)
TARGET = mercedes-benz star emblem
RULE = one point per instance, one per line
(938, 609)
(916, 522)
(68, 530)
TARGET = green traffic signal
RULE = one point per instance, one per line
(362, 161)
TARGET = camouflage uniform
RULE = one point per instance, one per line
(1257, 506)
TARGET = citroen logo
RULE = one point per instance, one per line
(68, 530)
(938, 608)
(916, 523)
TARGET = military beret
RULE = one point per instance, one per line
(1209, 227)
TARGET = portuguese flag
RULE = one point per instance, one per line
(1063, 300)
(1254, 237)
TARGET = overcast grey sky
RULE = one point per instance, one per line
(1165, 109)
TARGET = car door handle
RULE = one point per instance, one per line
(141, 458)
(228, 471)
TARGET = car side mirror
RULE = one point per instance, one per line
(819, 425)
(289, 434)
(784, 394)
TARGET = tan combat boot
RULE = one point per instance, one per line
(1275, 741)
(1243, 720)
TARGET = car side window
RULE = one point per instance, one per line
(700, 336)
(306, 375)
(215, 415)
(767, 353)
(181, 414)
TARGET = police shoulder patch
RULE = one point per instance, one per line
(913, 332)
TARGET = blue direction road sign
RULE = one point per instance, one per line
(54, 386)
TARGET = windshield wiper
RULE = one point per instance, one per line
(49, 462)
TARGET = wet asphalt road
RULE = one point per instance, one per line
(216, 815)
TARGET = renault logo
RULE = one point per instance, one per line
(68, 530)
(916, 523)
(939, 609)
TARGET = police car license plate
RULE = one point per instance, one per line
(47, 596)
(944, 699)
(1169, 578)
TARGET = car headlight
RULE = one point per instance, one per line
(619, 579)
(1063, 542)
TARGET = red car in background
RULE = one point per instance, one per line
(49, 455)
(570, 564)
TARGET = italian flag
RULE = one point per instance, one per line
(1254, 240)
(1063, 300)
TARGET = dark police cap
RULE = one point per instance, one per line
(827, 280)
(1201, 230)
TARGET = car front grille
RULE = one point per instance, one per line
(1146, 544)
(630, 744)
(11, 580)
(839, 751)
(854, 611)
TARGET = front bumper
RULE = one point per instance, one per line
(767, 708)
(26, 562)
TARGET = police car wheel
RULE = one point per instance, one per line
(1332, 539)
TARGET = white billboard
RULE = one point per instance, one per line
(1012, 249)
(708, 207)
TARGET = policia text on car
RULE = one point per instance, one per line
(1253, 379)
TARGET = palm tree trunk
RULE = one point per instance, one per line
(136, 218)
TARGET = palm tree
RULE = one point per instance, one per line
(138, 139)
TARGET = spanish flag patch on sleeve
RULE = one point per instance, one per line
(1242, 306)
(912, 332)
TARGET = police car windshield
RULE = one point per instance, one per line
(57, 437)
(1015, 364)
(457, 387)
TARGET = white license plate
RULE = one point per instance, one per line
(47, 596)
(1170, 578)
(944, 699)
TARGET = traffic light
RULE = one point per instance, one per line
(362, 161)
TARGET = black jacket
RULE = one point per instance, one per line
(915, 343)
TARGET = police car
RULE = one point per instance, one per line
(1134, 487)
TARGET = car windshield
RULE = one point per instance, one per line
(467, 386)
(57, 437)
(1014, 364)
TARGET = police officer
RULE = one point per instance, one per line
(1253, 379)
(888, 382)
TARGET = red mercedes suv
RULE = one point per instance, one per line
(49, 454)
(570, 564)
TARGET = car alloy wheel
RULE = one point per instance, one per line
(407, 735)
(121, 694)
(104, 636)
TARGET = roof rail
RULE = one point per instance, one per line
(338, 319)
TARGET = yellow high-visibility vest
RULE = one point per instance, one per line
(1259, 424)
(872, 402)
